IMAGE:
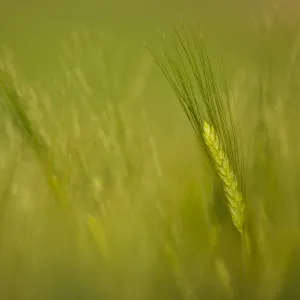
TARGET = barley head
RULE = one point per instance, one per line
(235, 199)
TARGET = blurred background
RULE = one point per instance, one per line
(34, 29)
(104, 193)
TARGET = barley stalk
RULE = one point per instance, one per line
(235, 199)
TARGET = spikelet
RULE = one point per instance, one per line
(235, 199)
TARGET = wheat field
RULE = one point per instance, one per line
(172, 174)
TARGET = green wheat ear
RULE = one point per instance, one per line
(210, 110)
(235, 199)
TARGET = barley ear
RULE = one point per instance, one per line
(229, 181)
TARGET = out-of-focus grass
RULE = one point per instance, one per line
(104, 194)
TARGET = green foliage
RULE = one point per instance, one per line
(139, 212)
